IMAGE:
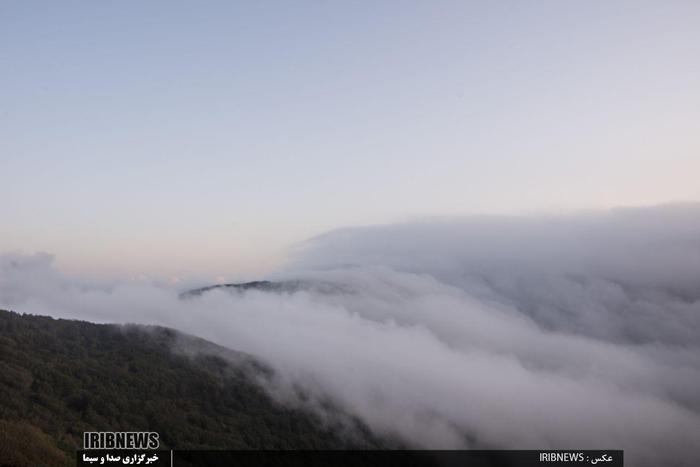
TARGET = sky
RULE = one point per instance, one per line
(173, 139)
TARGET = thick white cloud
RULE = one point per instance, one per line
(576, 331)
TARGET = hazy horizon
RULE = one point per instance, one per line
(288, 255)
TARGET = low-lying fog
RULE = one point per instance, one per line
(572, 331)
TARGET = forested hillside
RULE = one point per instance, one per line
(59, 378)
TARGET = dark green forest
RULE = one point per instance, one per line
(60, 378)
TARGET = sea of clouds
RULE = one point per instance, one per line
(576, 331)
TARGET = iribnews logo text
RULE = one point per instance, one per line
(120, 440)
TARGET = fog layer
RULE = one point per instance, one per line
(576, 331)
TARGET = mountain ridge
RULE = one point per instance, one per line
(60, 378)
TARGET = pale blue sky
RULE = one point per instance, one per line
(176, 138)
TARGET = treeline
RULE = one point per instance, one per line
(60, 378)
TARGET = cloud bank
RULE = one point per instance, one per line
(577, 331)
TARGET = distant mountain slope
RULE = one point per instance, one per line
(59, 378)
(288, 286)
(265, 286)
